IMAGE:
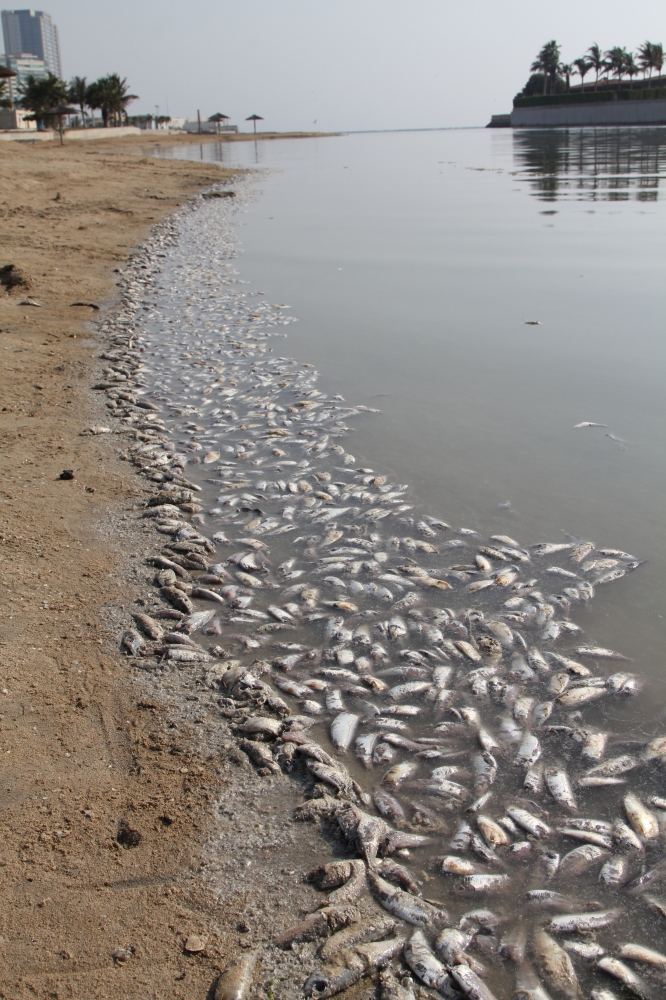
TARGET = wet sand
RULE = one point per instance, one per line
(84, 758)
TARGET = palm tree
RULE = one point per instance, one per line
(645, 57)
(582, 67)
(616, 60)
(78, 89)
(631, 68)
(658, 57)
(566, 69)
(547, 62)
(596, 62)
(109, 94)
(38, 95)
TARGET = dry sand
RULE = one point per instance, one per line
(82, 760)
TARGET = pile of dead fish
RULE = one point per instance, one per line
(429, 688)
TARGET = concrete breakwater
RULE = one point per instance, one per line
(582, 115)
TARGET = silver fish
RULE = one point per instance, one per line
(235, 983)
(343, 730)
(559, 786)
(580, 859)
(627, 977)
(642, 820)
(424, 963)
(470, 983)
(581, 923)
(402, 904)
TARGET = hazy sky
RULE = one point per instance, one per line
(348, 64)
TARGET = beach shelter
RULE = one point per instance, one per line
(217, 118)
(60, 110)
(254, 119)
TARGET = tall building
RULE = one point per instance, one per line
(32, 33)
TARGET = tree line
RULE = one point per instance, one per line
(555, 76)
(110, 95)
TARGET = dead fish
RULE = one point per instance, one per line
(149, 626)
(388, 806)
(424, 963)
(550, 548)
(373, 929)
(532, 824)
(235, 983)
(365, 746)
(642, 820)
(482, 883)
(556, 967)
(617, 765)
(343, 730)
(599, 653)
(492, 832)
(637, 953)
(134, 643)
(614, 871)
(528, 985)
(400, 773)
(581, 859)
(559, 786)
(529, 751)
(581, 923)
(580, 696)
(470, 984)
(453, 865)
(627, 976)
(402, 904)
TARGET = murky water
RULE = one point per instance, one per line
(413, 263)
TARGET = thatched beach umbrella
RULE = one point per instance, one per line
(217, 118)
(254, 119)
(60, 110)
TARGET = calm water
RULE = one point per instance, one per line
(413, 260)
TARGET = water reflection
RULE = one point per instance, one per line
(224, 151)
(592, 164)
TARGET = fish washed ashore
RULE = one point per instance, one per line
(84, 757)
(399, 759)
(419, 693)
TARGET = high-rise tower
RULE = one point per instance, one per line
(32, 32)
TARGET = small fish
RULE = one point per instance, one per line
(402, 904)
(581, 923)
(559, 786)
(343, 730)
(556, 967)
(627, 976)
(637, 953)
(581, 859)
(235, 983)
(642, 820)
(424, 963)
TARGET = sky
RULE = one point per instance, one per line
(335, 65)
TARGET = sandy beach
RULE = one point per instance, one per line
(82, 759)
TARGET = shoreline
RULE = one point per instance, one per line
(84, 758)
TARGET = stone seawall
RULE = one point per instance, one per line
(611, 113)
